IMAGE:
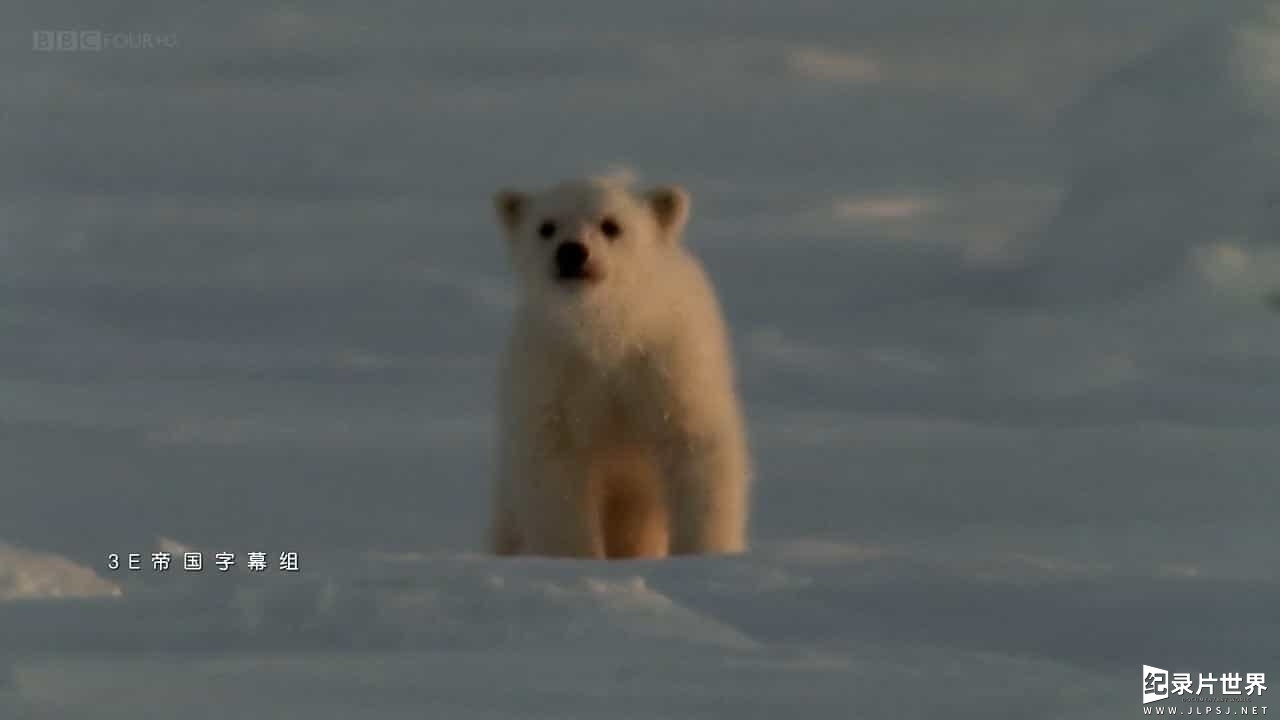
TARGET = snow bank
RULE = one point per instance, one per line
(30, 575)
(1174, 151)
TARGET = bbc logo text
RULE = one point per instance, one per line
(99, 40)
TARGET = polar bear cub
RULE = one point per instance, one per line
(620, 433)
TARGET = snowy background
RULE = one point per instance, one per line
(1004, 279)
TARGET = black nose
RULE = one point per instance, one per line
(571, 257)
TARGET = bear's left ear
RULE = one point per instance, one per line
(510, 205)
(670, 206)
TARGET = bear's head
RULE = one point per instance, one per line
(589, 242)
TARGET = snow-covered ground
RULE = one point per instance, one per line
(1002, 278)
(826, 629)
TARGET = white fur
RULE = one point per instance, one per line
(620, 432)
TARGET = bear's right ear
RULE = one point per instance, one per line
(511, 205)
(670, 206)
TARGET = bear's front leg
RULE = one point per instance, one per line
(706, 484)
(560, 515)
(504, 537)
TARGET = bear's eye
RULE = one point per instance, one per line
(610, 228)
(547, 229)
